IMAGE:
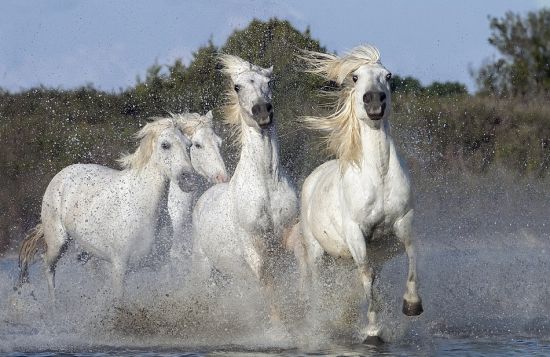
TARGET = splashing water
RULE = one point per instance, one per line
(483, 265)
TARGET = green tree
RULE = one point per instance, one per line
(524, 45)
(405, 84)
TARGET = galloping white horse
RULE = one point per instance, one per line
(347, 203)
(207, 162)
(234, 223)
(113, 214)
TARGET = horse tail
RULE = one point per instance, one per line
(29, 247)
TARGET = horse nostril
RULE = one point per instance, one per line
(382, 96)
(256, 109)
(268, 106)
(368, 97)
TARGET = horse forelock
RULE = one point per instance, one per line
(147, 136)
(335, 68)
(234, 66)
(189, 123)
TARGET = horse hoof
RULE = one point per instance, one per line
(373, 341)
(412, 308)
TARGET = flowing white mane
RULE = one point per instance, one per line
(233, 114)
(335, 68)
(147, 136)
(341, 128)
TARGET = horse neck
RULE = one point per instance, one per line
(259, 154)
(149, 188)
(376, 147)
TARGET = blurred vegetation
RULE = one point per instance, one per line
(438, 127)
(524, 45)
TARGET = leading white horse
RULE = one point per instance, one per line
(348, 203)
(235, 223)
(207, 161)
(112, 214)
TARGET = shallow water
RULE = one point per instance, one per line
(483, 265)
(437, 346)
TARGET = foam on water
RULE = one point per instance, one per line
(483, 266)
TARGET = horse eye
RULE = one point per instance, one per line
(354, 78)
(271, 84)
(165, 145)
(388, 76)
(237, 88)
(198, 146)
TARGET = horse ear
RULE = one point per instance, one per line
(209, 115)
(270, 71)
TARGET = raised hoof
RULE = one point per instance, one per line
(412, 308)
(373, 341)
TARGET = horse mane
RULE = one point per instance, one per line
(189, 123)
(341, 128)
(147, 136)
(233, 115)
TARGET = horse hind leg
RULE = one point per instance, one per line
(54, 249)
(412, 304)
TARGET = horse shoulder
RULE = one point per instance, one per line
(284, 205)
(319, 178)
(320, 193)
(215, 197)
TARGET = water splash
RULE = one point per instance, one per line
(483, 264)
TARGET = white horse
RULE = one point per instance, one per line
(348, 202)
(235, 223)
(207, 162)
(112, 214)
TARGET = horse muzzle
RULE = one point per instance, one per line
(375, 104)
(190, 181)
(262, 114)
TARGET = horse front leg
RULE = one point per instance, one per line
(255, 257)
(308, 252)
(357, 246)
(412, 304)
(117, 279)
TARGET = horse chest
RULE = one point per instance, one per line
(252, 207)
(374, 204)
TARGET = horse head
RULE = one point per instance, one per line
(250, 92)
(205, 152)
